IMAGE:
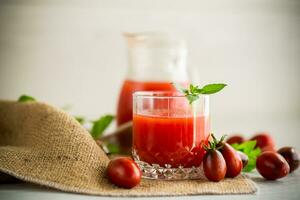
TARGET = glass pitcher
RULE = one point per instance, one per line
(154, 61)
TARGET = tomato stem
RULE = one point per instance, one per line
(214, 143)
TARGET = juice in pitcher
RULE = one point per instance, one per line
(129, 87)
(154, 61)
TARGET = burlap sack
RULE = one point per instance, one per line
(44, 145)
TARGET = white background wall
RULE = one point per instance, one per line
(72, 52)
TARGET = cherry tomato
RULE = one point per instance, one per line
(244, 158)
(214, 165)
(235, 139)
(291, 156)
(272, 165)
(233, 161)
(264, 140)
(124, 172)
(268, 148)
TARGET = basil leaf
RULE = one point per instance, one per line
(191, 98)
(212, 88)
(250, 166)
(113, 148)
(249, 148)
(26, 98)
(256, 152)
(235, 146)
(100, 125)
(193, 91)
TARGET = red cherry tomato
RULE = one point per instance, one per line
(268, 148)
(264, 140)
(272, 165)
(124, 172)
(235, 139)
(214, 166)
(233, 161)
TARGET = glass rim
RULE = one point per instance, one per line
(162, 94)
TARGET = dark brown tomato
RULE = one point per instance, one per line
(235, 139)
(272, 165)
(214, 166)
(124, 172)
(291, 156)
(233, 161)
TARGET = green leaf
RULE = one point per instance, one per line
(250, 166)
(198, 91)
(212, 88)
(26, 98)
(256, 152)
(113, 148)
(80, 119)
(185, 91)
(191, 98)
(235, 146)
(191, 88)
(100, 125)
(193, 91)
(251, 151)
(248, 146)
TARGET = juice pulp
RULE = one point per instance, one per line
(124, 112)
(170, 139)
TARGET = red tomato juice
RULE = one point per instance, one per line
(170, 140)
(124, 112)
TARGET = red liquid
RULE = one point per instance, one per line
(124, 112)
(170, 140)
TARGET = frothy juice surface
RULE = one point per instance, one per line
(124, 112)
(170, 139)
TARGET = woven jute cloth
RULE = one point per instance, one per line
(44, 145)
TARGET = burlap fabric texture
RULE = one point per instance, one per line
(46, 146)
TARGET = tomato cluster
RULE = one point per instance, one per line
(270, 164)
(263, 140)
(274, 165)
(221, 160)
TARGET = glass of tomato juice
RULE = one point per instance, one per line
(168, 134)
